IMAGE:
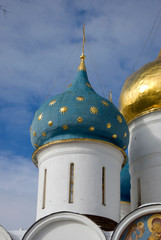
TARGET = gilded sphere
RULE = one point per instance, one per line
(141, 93)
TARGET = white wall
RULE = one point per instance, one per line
(125, 209)
(4, 235)
(66, 226)
(88, 159)
(145, 158)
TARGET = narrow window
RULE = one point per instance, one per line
(71, 183)
(139, 191)
(103, 186)
(44, 189)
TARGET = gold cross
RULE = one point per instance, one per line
(82, 57)
(110, 96)
(84, 39)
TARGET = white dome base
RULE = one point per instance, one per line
(145, 159)
(91, 193)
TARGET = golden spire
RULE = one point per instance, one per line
(110, 96)
(82, 57)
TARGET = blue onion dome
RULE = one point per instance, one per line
(79, 114)
(125, 183)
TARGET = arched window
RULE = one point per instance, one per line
(103, 186)
(71, 183)
(44, 189)
(139, 191)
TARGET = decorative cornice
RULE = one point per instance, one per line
(77, 140)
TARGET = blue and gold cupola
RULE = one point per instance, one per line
(79, 114)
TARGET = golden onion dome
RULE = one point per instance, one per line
(141, 93)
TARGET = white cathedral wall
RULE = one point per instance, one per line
(89, 158)
(69, 231)
(108, 234)
(4, 235)
(125, 208)
(67, 226)
(145, 159)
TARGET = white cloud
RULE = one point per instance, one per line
(18, 191)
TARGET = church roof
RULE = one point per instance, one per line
(79, 112)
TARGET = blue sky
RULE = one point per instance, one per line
(40, 45)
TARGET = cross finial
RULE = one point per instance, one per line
(110, 96)
(82, 57)
(84, 38)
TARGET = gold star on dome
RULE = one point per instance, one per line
(50, 123)
(124, 147)
(105, 103)
(108, 125)
(80, 99)
(65, 127)
(69, 85)
(52, 102)
(91, 129)
(93, 110)
(119, 118)
(36, 145)
(125, 135)
(44, 134)
(40, 116)
(63, 109)
(34, 133)
(114, 136)
(88, 85)
(79, 119)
